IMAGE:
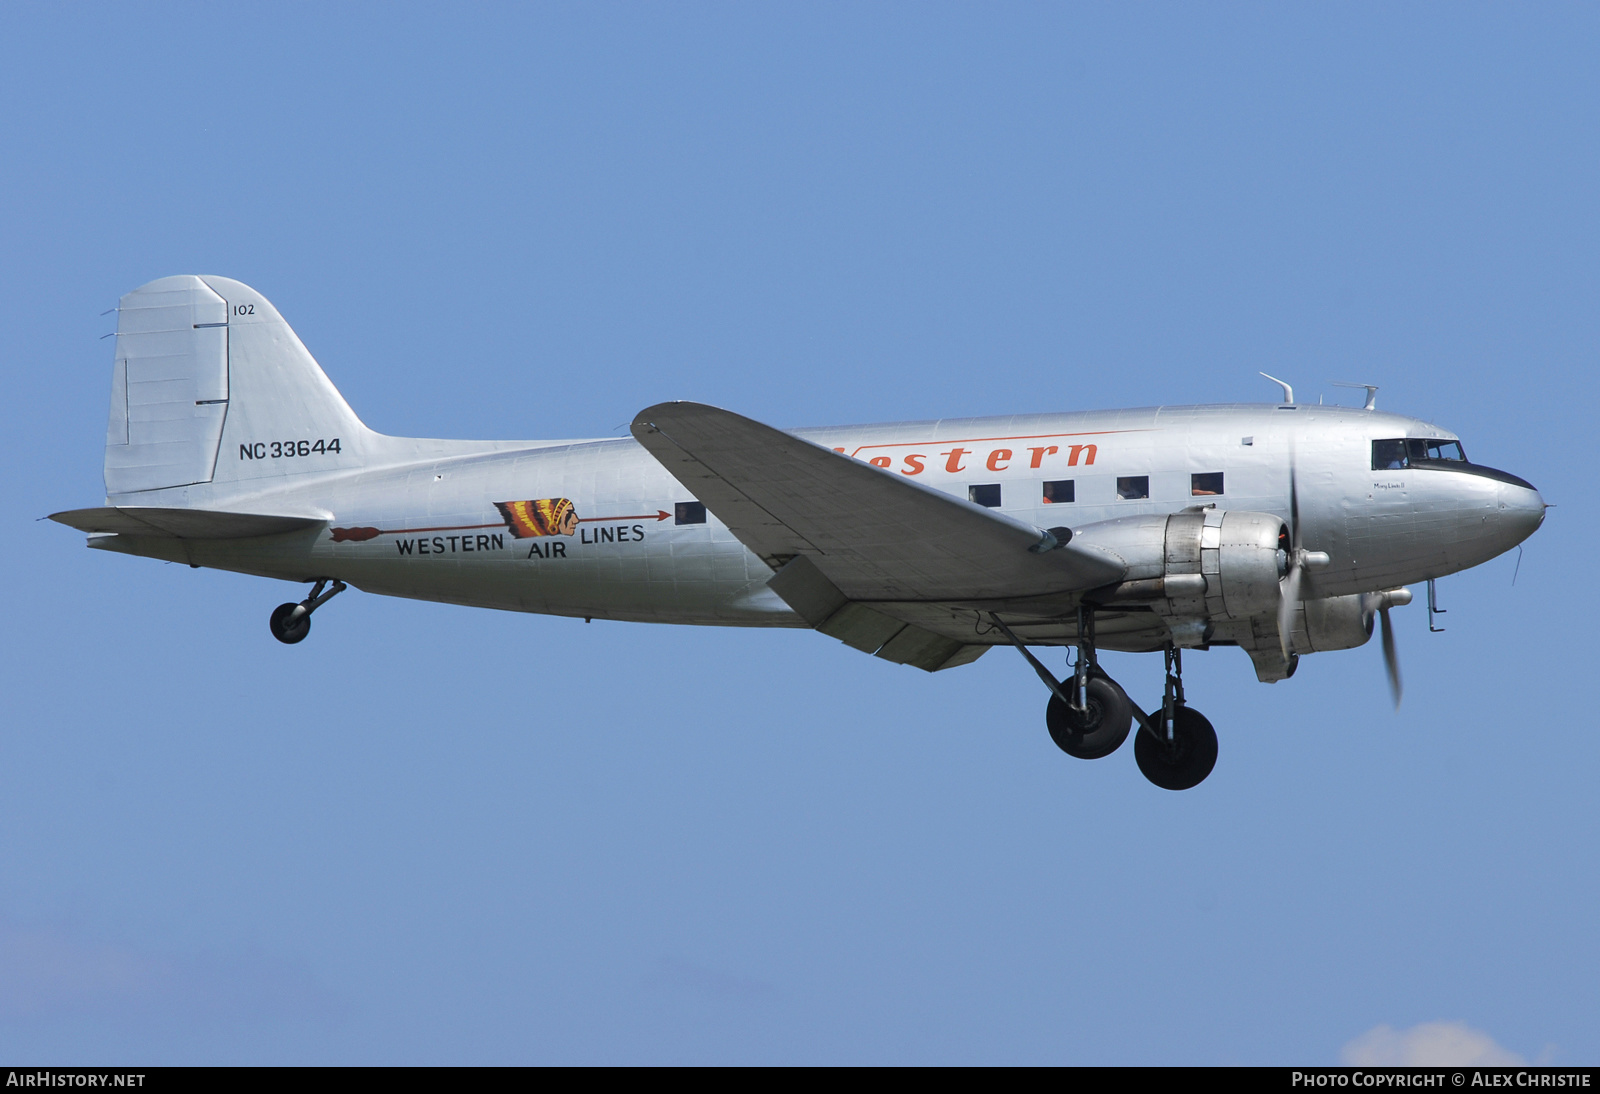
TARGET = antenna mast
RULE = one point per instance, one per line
(1372, 393)
(1288, 392)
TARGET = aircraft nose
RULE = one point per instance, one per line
(1521, 510)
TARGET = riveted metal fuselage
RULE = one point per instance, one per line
(438, 532)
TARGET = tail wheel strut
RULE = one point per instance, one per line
(290, 623)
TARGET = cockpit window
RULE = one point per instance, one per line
(1413, 452)
(1389, 455)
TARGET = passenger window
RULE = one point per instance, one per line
(986, 495)
(1207, 485)
(1059, 490)
(1133, 487)
(689, 512)
(1389, 455)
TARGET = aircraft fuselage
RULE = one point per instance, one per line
(641, 549)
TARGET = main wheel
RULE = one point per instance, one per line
(1184, 761)
(285, 631)
(1095, 732)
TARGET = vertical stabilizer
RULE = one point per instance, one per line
(212, 386)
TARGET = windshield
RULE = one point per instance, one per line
(1413, 452)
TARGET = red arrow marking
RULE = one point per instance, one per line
(659, 514)
(361, 535)
(443, 528)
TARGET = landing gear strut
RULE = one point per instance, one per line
(1094, 718)
(1176, 747)
(1089, 715)
(290, 623)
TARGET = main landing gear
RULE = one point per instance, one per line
(1179, 748)
(290, 623)
(1090, 716)
(1093, 718)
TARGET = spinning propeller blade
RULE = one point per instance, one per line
(1289, 597)
(1289, 589)
(1391, 660)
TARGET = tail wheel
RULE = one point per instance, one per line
(287, 629)
(1096, 731)
(1184, 761)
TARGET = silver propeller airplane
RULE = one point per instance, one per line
(1282, 529)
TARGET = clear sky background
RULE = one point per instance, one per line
(439, 835)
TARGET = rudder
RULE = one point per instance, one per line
(212, 386)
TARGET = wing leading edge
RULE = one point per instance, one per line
(844, 534)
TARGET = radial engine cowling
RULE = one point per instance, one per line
(1342, 622)
(1335, 623)
(1197, 564)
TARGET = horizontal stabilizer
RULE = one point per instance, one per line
(874, 534)
(182, 523)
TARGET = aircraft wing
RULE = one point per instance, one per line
(874, 534)
(182, 523)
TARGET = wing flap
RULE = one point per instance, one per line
(924, 649)
(819, 602)
(875, 534)
(182, 523)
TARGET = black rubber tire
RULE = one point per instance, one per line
(288, 633)
(1187, 760)
(1098, 733)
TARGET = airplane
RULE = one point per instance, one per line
(1282, 529)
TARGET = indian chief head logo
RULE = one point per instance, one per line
(543, 517)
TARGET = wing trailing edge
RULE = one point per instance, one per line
(819, 602)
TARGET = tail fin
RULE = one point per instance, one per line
(211, 386)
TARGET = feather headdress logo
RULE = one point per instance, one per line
(541, 517)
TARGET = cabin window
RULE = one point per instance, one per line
(1206, 485)
(689, 512)
(987, 495)
(1133, 487)
(1059, 490)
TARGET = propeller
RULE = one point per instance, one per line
(1300, 560)
(1391, 661)
(1289, 589)
(1381, 603)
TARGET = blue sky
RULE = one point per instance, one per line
(439, 835)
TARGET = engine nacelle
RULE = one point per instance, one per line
(1202, 563)
(1215, 576)
(1343, 622)
(1336, 623)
